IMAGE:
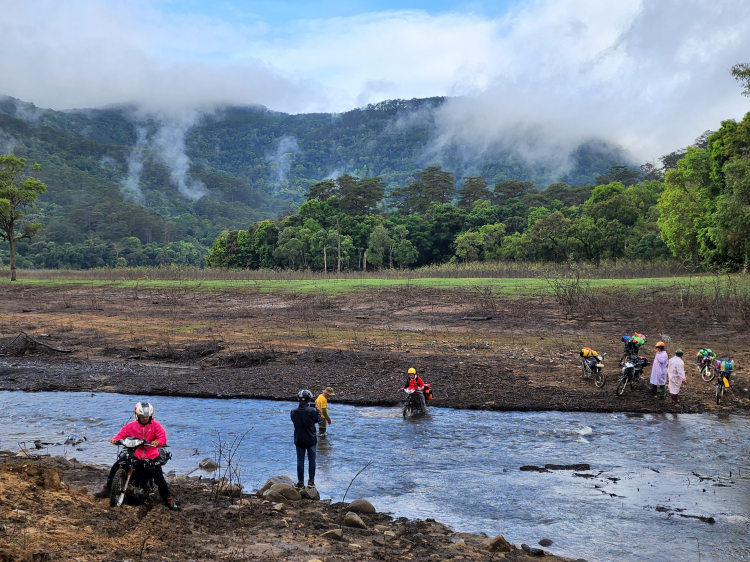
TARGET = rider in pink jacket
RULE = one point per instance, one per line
(147, 428)
(152, 432)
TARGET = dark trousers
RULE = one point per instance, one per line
(660, 389)
(152, 471)
(311, 452)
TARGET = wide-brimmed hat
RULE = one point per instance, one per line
(660, 344)
(329, 391)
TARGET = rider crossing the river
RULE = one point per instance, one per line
(147, 428)
(415, 383)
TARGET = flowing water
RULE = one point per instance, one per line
(462, 467)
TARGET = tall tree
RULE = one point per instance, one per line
(17, 198)
(360, 196)
(741, 73)
(506, 190)
(473, 190)
(434, 185)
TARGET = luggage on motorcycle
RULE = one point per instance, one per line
(427, 392)
(706, 352)
(164, 456)
(644, 361)
(640, 339)
(725, 366)
(626, 339)
(588, 352)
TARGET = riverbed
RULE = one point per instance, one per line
(656, 483)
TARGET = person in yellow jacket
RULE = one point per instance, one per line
(321, 403)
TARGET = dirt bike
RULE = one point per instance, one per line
(131, 480)
(415, 403)
(594, 367)
(722, 378)
(705, 366)
(632, 369)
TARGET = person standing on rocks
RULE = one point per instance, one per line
(321, 404)
(659, 371)
(676, 376)
(304, 418)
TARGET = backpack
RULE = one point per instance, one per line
(588, 352)
(164, 456)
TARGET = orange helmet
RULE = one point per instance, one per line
(660, 344)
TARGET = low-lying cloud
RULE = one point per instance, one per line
(546, 76)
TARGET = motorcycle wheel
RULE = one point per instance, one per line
(408, 411)
(635, 383)
(599, 380)
(117, 494)
(585, 369)
(620, 390)
(719, 391)
(707, 373)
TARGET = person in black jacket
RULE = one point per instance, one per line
(305, 417)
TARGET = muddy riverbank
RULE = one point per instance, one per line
(480, 350)
(48, 512)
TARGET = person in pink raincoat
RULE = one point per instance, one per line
(675, 376)
(147, 428)
(659, 371)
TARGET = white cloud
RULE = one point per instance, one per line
(651, 75)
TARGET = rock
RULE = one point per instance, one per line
(389, 534)
(278, 507)
(310, 494)
(275, 480)
(525, 547)
(208, 465)
(361, 506)
(578, 467)
(532, 468)
(351, 519)
(536, 551)
(499, 544)
(382, 528)
(545, 542)
(287, 491)
(315, 560)
(333, 534)
(24, 454)
(274, 497)
(231, 490)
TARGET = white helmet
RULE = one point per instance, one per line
(144, 409)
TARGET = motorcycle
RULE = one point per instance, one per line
(705, 360)
(593, 366)
(415, 403)
(632, 369)
(131, 480)
(722, 370)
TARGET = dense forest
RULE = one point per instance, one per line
(129, 188)
(698, 211)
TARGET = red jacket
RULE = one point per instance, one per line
(415, 383)
(152, 431)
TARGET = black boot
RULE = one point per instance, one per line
(103, 493)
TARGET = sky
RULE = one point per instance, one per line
(540, 76)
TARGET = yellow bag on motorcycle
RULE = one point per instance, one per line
(588, 352)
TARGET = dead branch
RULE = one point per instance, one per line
(37, 342)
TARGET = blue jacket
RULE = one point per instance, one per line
(304, 418)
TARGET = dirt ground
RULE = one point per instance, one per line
(478, 349)
(47, 512)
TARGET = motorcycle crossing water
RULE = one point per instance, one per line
(642, 500)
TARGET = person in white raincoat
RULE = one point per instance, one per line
(659, 371)
(675, 376)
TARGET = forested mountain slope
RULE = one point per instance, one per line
(160, 187)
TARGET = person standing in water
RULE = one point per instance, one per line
(321, 404)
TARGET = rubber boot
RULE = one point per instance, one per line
(103, 493)
(170, 503)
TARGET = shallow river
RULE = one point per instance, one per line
(462, 467)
